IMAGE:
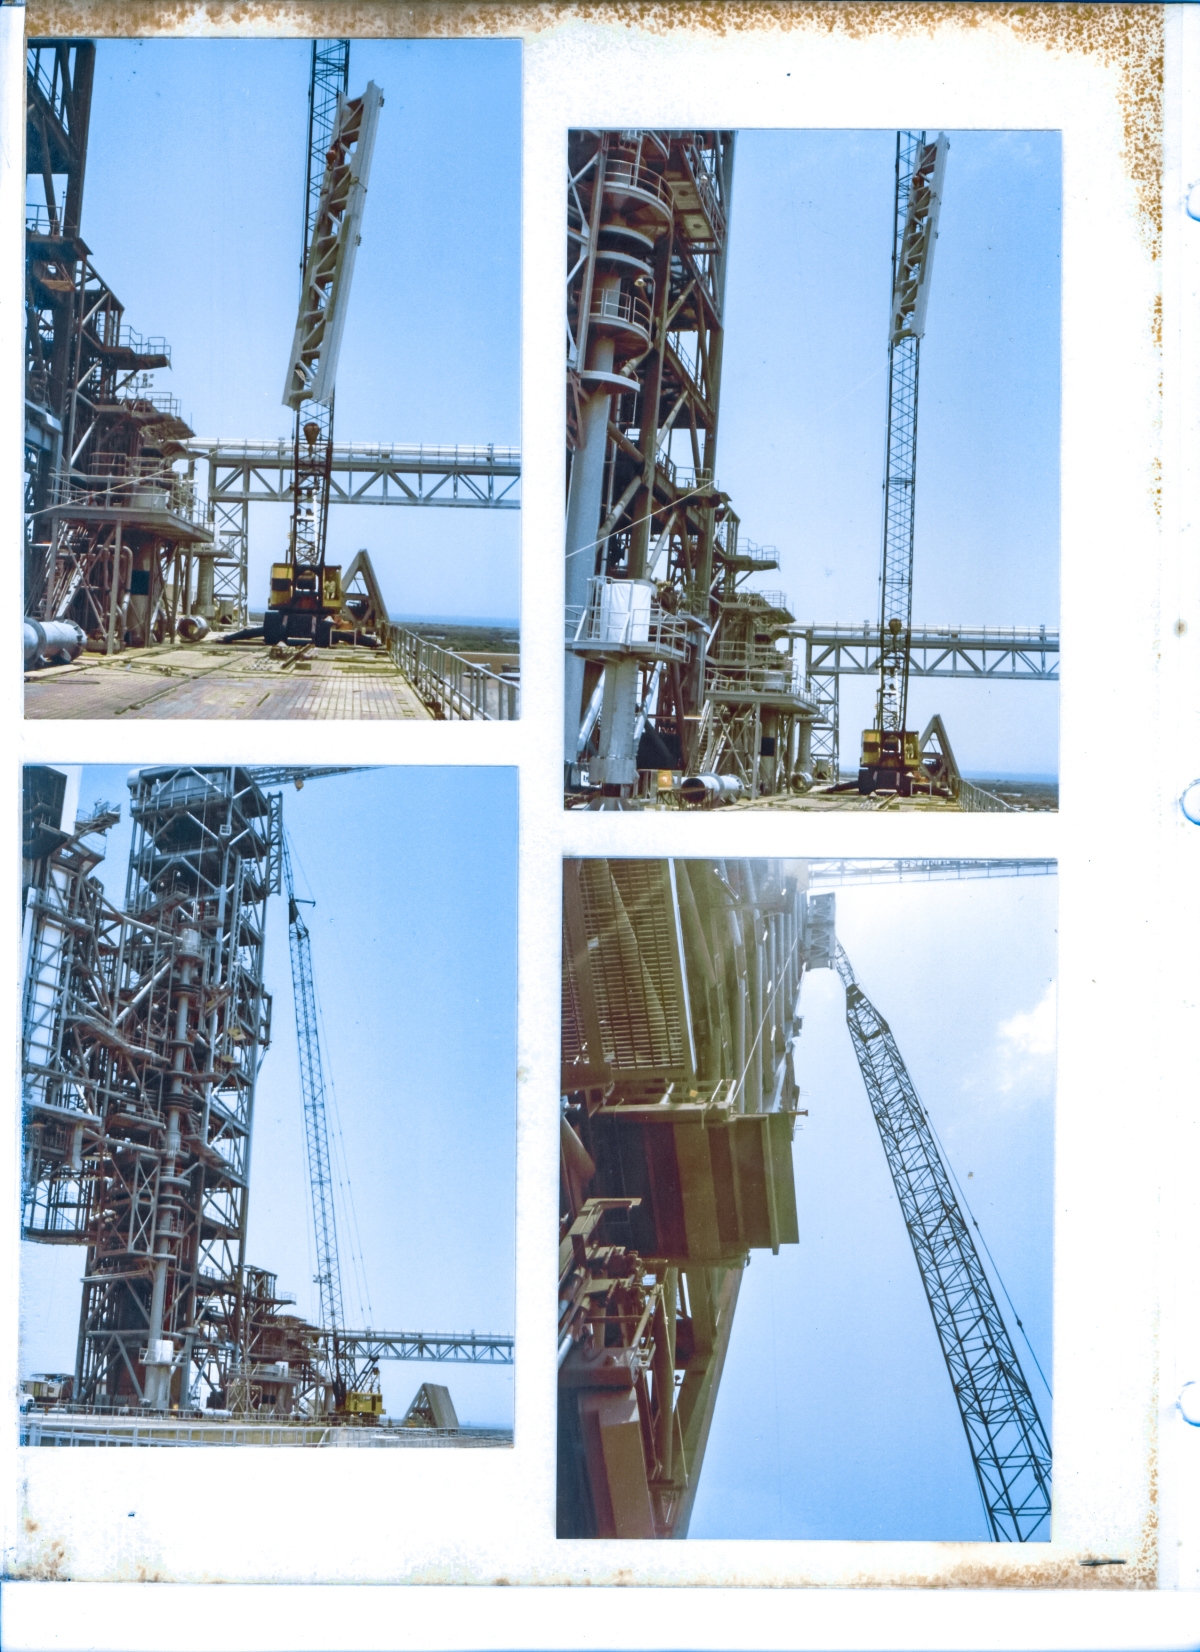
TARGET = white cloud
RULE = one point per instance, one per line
(1027, 1043)
(1035, 1032)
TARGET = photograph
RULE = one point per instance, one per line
(220, 235)
(863, 1315)
(778, 288)
(760, 1215)
(243, 980)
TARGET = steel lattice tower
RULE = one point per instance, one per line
(142, 1036)
(1009, 1446)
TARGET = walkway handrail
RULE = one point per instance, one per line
(451, 686)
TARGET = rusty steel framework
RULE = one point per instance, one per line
(119, 539)
(59, 94)
(680, 996)
(681, 982)
(677, 671)
(116, 540)
(142, 1035)
(671, 663)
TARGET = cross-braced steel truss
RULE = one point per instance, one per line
(142, 1036)
(1009, 1446)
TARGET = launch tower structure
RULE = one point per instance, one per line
(142, 1032)
(670, 664)
(681, 981)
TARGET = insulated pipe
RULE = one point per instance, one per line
(616, 765)
(704, 790)
(191, 628)
(51, 642)
(737, 1007)
(583, 518)
(204, 605)
(664, 1375)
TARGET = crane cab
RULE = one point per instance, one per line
(303, 604)
(891, 759)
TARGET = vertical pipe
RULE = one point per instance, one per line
(737, 1007)
(114, 582)
(664, 1375)
(587, 468)
(754, 1012)
(617, 763)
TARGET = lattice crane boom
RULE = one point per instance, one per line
(316, 1134)
(888, 750)
(266, 774)
(919, 170)
(1009, 1446)
(305, 597)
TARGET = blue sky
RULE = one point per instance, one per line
(411, 869)
(835, 1417)
(193, 210)
(804, 394)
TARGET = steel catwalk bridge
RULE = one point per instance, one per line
(448, 1347)
(973, 651)
(365, 473)
(824, 874)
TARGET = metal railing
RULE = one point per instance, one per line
(115, 492)
(355, 455)
(455, 688)
(706, 187)
(139, 1433)
(1022, 635)
(762, 556)
(144, 344)
(623, 616)
(760, 672)
(619, 174)
(974, 800)
(757, 599)
(37, 220)
(623, 307)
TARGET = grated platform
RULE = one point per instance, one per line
(238, 681)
